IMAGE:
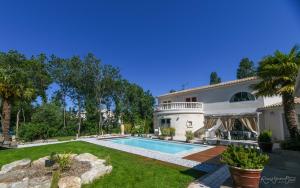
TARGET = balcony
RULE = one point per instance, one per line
(180, 107)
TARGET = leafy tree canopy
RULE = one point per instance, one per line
(246, 69)
(214, 78)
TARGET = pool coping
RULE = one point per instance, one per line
(169, 158)
(179, 154)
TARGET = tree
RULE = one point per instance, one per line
(106, 89)
(214, 78)
(59, 70)
(278, 77)
(246, 69)
(135, 104)
(77, 88)
(20, 79)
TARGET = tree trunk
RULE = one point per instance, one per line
(65, 123)
(6, 111)
(23, 113)
(290, 114)
(100, 118)
(79, 117)
(64, 117)
(17, 123)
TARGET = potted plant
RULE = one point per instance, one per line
(245, 165)
(172, 132)
(189, 136)
(165, 133)
(265, 141)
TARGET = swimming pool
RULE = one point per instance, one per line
(157, 145)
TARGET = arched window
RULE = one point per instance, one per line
(242, 96)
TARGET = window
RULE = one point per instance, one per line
(189, 124)
(165, 123)
(191, 99)
(242, 96)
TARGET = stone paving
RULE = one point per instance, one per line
(42, 144)
(178, 160)
(213, 180)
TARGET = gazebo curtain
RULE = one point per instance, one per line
(209, 122)
(250, 123)
(228, 123)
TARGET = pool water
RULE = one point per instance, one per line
(157, 145)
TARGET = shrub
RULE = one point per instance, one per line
(34, 131)
(172, 132)
(107, 160)
(291, 144)
(165, 131)
(245, 158)
(63, 160)
(127, 128)
(265, 136)
(189, 135)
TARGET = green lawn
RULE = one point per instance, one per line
(128, 170)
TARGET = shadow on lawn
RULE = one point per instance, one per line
(193, 173)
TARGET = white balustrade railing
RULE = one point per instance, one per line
(179, 105)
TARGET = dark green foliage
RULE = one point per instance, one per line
(246, 69)
(245, 158)
(265, 136)
(214, 78)
(34, 131)
(48, 113)
(291, 144)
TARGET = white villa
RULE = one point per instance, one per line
(228, 110)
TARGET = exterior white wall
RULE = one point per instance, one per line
(272, 100)
(211, 95)
(273, 119)
(216, 101)
(179, 122)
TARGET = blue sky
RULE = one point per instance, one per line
(158, 44)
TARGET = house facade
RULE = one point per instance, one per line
(204, 110)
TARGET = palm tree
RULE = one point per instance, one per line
(20, 79)
(278, 77)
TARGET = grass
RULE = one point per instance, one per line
(128, 170)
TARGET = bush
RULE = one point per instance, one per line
(265, 136)
(291, 144)
(189, 135)
(34, 131)
(165, 131)
(172, 132)
(63, 160)
(127, 128)
(245, 158)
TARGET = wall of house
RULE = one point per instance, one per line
(179, 122)
(273, 119)
(211, 95)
